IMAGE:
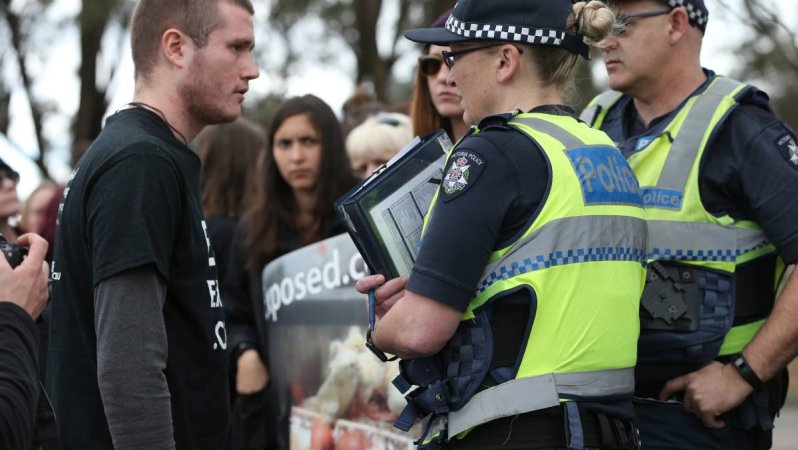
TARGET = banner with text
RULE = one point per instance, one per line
(331, 392)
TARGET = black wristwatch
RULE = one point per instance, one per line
(745, 371)
(380, 354)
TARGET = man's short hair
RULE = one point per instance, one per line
(151, 18)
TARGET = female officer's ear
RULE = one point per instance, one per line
(509, 62)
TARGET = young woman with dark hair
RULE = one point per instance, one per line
(300, 176)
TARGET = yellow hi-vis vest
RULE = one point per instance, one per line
(583, 257)
(680, 228)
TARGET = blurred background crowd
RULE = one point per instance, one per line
(269, 178)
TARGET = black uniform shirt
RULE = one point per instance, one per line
(498, 200)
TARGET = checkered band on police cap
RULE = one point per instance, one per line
(534, 36)
(696, 11)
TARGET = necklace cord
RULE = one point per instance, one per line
(163, 117)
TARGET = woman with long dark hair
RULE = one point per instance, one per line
(300, 176)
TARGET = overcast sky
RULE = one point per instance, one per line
(58, 81)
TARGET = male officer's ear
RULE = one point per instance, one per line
(679, 23)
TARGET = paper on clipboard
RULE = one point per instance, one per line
(384, 215)
(400, 217)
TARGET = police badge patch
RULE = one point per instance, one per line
(789, 148)
(464, 168)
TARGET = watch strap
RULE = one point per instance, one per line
(373, 347)
(745, 371)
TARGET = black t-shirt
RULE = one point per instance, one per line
(221, 230)
(133, 200)
(748, 171)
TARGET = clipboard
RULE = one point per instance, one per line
(384, 214)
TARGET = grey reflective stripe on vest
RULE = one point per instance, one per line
(687, 143)
(569, 241)
(555, 131)
(604, 102)
(700, 241)
(534, 393)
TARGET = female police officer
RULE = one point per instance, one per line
(519, 320)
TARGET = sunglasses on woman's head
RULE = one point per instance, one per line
(430, 65)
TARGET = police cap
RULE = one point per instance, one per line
(533, 22)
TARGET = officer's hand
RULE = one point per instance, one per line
(26, 285)
(386, 294)
(709, 392)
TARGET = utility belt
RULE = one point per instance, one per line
(550, 428)
(450, 389)
(687, 311)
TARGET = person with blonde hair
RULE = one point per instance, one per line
(508, 324)
(373, 142)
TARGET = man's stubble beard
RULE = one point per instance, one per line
(195, 94)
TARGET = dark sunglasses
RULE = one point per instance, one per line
(450, 57)
(430, 65)
(10, 174)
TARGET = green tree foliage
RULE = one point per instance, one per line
(29, 36)
(357, 24)
(20, 26)
(92, 22)
(769, 58)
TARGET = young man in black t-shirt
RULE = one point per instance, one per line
(138, 337)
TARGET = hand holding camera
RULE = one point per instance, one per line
(14, 253)
(24, 274)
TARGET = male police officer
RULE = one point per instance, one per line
(718, 171)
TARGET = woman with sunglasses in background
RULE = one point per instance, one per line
(436, 105)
